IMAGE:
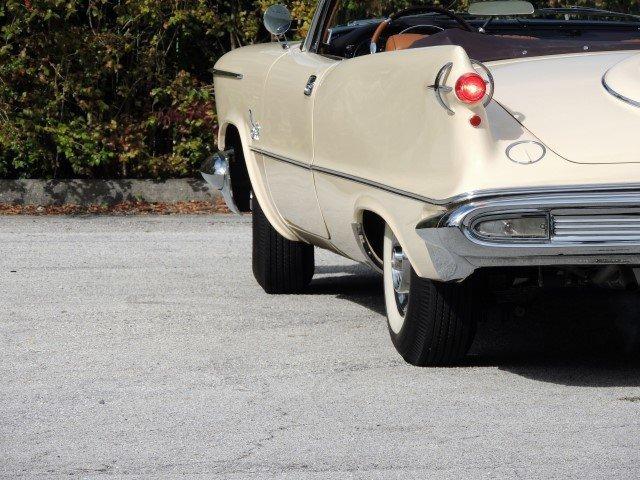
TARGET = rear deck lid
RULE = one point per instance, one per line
(584, 107)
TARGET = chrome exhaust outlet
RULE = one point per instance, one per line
(216, 171)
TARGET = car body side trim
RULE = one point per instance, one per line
(280, 158)
(463, 197)
(616, 94)
(227, 74)
(346, 176)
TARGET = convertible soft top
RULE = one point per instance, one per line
(486, 48)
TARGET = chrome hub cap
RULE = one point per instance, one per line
(400, 277)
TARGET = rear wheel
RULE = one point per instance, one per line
(279, 265)
(430, 323)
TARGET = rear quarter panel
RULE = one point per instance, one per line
(375, 118)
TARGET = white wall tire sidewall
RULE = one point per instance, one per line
(395, 319)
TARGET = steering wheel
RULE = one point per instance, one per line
(413, 11)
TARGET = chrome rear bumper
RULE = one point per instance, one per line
(597, 228)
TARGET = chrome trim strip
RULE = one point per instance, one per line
(346, 176)
(463, 197)
(281, 158)
(371, 183)
(491, 82)
(519, 191)
(616, 94)
(227, 74)
(313, 35)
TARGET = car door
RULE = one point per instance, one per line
(286, 139)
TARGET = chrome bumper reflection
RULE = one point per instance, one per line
(585, 229)
(215, 170)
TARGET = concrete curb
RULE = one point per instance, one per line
(103, 192)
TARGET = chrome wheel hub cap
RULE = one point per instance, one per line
(400, 277)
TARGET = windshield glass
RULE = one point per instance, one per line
(494, 30)
(611, 10)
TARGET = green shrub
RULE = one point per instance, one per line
(113, 88)
(123, 88)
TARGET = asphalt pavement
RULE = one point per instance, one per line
(142, 347)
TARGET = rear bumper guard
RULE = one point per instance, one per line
(216, 171)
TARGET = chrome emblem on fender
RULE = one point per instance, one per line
(255, 127)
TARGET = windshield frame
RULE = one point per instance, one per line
(312, 40)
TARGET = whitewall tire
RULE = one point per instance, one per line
(430, 323)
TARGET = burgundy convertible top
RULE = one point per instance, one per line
(486, 48)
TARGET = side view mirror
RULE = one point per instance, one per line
(277, 20)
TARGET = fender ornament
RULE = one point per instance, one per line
(254, 127)
(439, 88)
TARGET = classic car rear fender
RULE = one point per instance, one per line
(401, 216)
(384, 143)
(376, 118)
(344, 219)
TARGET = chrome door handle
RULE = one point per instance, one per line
(308, 89)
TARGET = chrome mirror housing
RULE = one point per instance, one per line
(277, 20)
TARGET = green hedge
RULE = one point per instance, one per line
(123, 88)
(113, 89)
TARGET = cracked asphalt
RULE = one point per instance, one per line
(142, 347)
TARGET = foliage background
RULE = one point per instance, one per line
(123, 88)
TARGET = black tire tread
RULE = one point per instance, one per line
(279, 265)
(440, 322)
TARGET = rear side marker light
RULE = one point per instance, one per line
(475, 121)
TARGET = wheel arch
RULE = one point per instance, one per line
(373, 215)
(373, 226)
(234, 130)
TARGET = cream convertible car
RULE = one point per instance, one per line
(464, 156)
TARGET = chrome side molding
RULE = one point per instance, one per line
(227, 74)
(472, 195)
(216, 171)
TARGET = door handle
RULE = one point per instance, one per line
(308, 89)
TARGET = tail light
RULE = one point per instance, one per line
(471, 88)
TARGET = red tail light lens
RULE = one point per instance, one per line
(471, 88)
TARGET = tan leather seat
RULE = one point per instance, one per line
(402, 41)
